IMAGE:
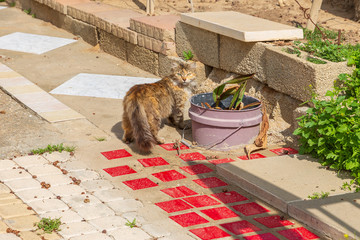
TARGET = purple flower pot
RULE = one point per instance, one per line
(223, 129)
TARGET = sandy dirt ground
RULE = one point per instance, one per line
(332, 16)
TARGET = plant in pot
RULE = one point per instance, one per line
(226, 118)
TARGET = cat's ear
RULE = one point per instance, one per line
(174, 66)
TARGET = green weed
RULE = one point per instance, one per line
(293, 51)
(100, 139)
(49, 225)
(188, 55)
(53, 148)
(315, 60)
(131, 224)
(317, 195)
(12, 4)
(27, 11)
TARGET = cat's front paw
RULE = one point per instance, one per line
(160, 140)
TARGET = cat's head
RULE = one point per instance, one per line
(183, 73)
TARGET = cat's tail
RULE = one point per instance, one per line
(141, 128)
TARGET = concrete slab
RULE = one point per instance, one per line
(278, 181)
(32, 43)
(99, 85)
(241, 26)
(1, 7)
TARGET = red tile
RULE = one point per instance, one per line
(201, 201)
(118, 171)
(284, 151)
(151, 162)
(265, 236)
(168, 176)
(252, 156)
(273, 221)
(229, 197)
(208, 233)
(179, 192)
(210, 182)
(189, 219)
(173, 205)
(170, 146)
(298, 234)
(250, 208)
(110, 155)
(196, 169)
(140, 183)
(219, 213)
(220, 161)
(240, 227)
(192, 156)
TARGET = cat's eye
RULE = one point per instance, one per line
(179, 74)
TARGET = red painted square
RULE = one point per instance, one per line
(240, 227)
(250, 208)
(201, 201)
(168, 176)
(151, 162)
(220, 161)
(173, 205)
(252, 156)
(118, 171)
(192, 156)
(110, 155)
(170, 146)
(208, 233)
(210, 182)
(219, 213)
(264, 236)
(229, 197)
(298, 234)
(140, 183)
(273, 221)
(284, 151)
(196, 169)
(179, 192)
(189, 219)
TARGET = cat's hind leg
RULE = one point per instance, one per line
(154, 128)
(177, 119)
(128, 131)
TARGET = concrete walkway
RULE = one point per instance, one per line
(197, 195)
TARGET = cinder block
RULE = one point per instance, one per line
(112, 45)
(203, 44)
(86, 31)
(143, 58)
(293, 76)
(85, 11)
(242, 57)
(159, 27)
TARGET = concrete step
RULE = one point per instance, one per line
(241, 26)
(285, 182)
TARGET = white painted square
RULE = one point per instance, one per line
(2, 7)
(32, 43)
(98, 85)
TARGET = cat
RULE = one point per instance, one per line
(145, 106)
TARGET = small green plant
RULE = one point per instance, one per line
(49, 225)
(131, 224)
(351, 186)
(2, 0)
(53, 148)
(33, 15)
(315, 60)
(100, 139)
(27, 11)
(188, 55)
(12, 4)
(293, 51)
(220, 93)
(317, 195)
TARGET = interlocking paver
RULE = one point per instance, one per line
(48, 205)
(155, 230)
(23, 223)
(81, 200)
(76, 229)
(23, 184)
(57, 156)
(93, 236)
(38, 236)
(43, 170)
(89, 212)
(67, 216)
(177, 236)
(96, 185)
(3, 227)
(130, 234)
(9, 236)
(28, 161)
(67, 190)
(108, 223)
(55, 180)
(73, 166)
(4, 196)
(7, 164)
(9, 201)
(15, 210)
(4, 188)
(85, 175)
(34, 195)
(14, 174)
(110, 195)
(126, 205)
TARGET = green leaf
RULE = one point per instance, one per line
(218, 91)
(240, 80)
(342, 128)
(241, 95)
(234, 99)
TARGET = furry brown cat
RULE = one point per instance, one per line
(145, 106)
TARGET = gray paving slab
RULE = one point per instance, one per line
(14, 174)
(67, 190)
(34, 195)
(28, 161)
(48, 205)
(130, 234)
(94, 211)
(43, 170)
(241, 26)
(94, 236)
(80, 200)
(85, 175)
(110, 195)
(23, 184)
(73, 166)
(67, 216)
(96, 185)
(126, 205)
(55, 179)
(109, 223)
(76, 229)
(7, 164)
